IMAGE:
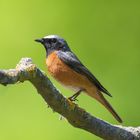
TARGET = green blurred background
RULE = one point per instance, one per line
(103, 34)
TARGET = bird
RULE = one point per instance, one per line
(66, 68)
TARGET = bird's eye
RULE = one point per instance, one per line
(54, 40)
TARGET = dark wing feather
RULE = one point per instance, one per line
(72, 61)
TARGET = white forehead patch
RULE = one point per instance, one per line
(52, 36)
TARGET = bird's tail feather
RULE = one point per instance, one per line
(107, 105)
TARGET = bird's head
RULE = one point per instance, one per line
(53, 43)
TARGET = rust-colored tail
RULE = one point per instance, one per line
(107, 105)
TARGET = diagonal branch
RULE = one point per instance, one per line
(75, 115)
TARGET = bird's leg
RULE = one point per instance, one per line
(73, 97)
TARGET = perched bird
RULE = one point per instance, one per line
(66, 68)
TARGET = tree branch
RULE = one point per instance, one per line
(75, 115)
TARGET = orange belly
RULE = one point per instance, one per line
(67, 76)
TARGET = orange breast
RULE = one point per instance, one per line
(65, 75)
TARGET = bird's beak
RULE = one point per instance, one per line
(39, 40)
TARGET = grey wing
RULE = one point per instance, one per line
(72, 61)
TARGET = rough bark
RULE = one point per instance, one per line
(75, 115)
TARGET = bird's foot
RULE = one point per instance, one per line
(72, 99)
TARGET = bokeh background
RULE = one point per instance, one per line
(104, 35)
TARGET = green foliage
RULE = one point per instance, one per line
(104, 35)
